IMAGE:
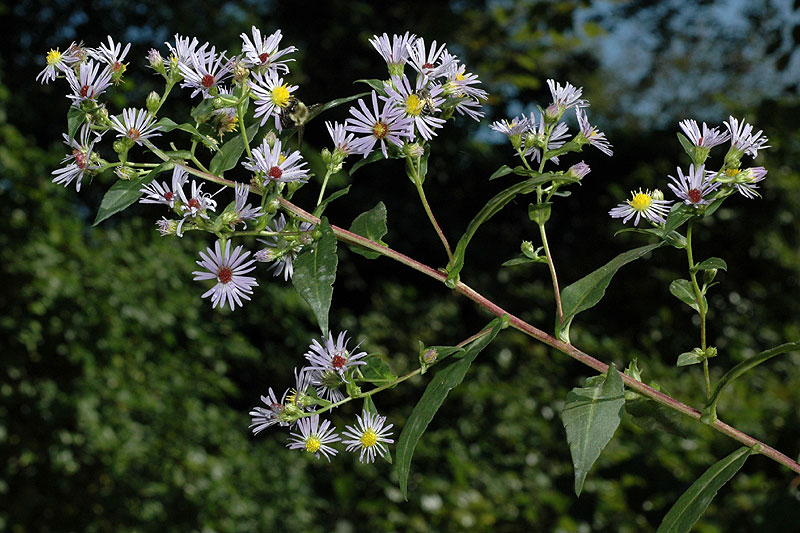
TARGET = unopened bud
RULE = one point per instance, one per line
(430, 356)
(126, 173)
(155, 60)
(152, 102)
(326, 156)
(658, 195)
(413, 150)
(240, 73)
(579, 170)
(709, 275)
(270, 138)
(528, 250)
(121, 146)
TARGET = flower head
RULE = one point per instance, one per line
(241, 208)
(276, 166)
(744, 180)
(112, 55)
(228, 269)
(264, 52)
(743, 140)
(204, 70)
(369, 437)
(56, 61)
(394, 52)
(591, 135)
(136, 124)
(314, 437)
(264, 417)
(642, 204)
(425, 62)
(184, 49)
(161, 193)
(90, 82)
(694, 187)
(272, 96)
(342, 139)
(537, 134)
(282, 250)
(418, 104)
(390, 124)
(564, 98)
(79, 161)
(705, 138)
(333, 355)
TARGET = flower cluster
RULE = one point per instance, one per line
(331, 365)
(700, 187)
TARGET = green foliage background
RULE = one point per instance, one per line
(125, 397)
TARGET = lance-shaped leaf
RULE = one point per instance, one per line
(229, 153)
(442, 383)
(372, 225)
(589, 290)
(376, 84)
(682, 290)
(166, 124)
(324, 203)
(315, 272)
(591, 416)
(317, 109)
(678, 215)
(125, 193)
(75, 117)
(488, 211)
(693, 503)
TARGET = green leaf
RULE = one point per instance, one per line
(125, 193)
(375, 84)
(524, 261)
(682, 290)
(376, 370)
(653, 416)
(693, 503)
(442, 383)
(711, 263)
(166, 125)
(372, 225)
(673, 238)
(315, 272)
(75, 117)
(488, 211)
(315, 110)
(229, 153)
(678, 215)
(500, 172)
(589, 290)
(539, 213)
(203, 110)
(591, 416)
(324, 203)
(687, 145)
(690, 358)
(376, 155)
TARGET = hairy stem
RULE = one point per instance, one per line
(701, 306)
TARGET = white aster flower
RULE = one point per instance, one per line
(243, 210)
(112, 55)
(264, 52)
(425, 62)
(537, 134)
(390, 124)
(369, 437)
(274, 165)
(590, 133)
(516, 127)
(743, 179)
(184, 49)
(272, 96)
(283, 249)
(78, 162)
(743, 140)
(264, 417)
(314, 437)
(644, 205)
(197, 204)
(56, 61)
(694, 187)
(161, 193)
(394, 52)
(333, 356)
(204, 71)
(418, 104)
(579, 170)
(342, 139)
(90, 82)
(136, 124)
(228, 269)
(564, 98)
(705, 138)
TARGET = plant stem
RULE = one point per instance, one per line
(701, 306)
(556, 291)
(243, 129)
(567, 349)
(427, 207)
(324, 184)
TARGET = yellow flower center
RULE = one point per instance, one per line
(281, 159)
(641, 201)
(313, 445)
(368, 439)
(413, 105)
(53, 57)
(732, 172)
(280, 95)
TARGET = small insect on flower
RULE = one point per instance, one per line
(314, 437)
(369, 437)
(228, 269)
(642, 204)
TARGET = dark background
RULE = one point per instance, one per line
(125, 396)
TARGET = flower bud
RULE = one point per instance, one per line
(152, 102)
(528, 250)
(156, 61)
(121, 146)
(413, 150)
(326, 156)
(709, 275)
(270, 137)
(430, 356)
(126, 173)
(240, 73)
(578, 170)
(657, 195)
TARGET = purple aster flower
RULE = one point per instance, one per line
(112, 55)
(418, 104)
(394, 52)
(369, 437)
(333, 356)
(705, 138)
(78, 162)
(425, 62)
(90, 82)
(204, 71)
(342, 139)
(136, 124)
(694, 187)
(390, 124)
(537, 133)
(590, 133)
(270, 163)
(161, 193)
(283, 249)
(314, 437)
(564, 98)
(243, 210)
(743, 140)
(272, 96)
(228, 269)
(264, 52)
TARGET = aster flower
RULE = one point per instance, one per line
(334, 356)
(390, 124)
(78, 162)
(167, 227)
(161, 193)
(264, 52)
(424, 61)
(90, 82)
(56, 61)
(459, 84)
(744, 180)
(204, 71)
(394, 52)
(113, 55)
(314, 437)
(516, 127)
(694, 187)
(564, 98)
(272, 96)
(228, 269)
(342, 139)
(197, 204)
(264, 417)
(370, 436)
(590, 133)
(282, 250)
(579, 170)
(537, 133)
(705, 138)
(644, 205)
(184, 49)
(241, 208)
(743, 140)
(272, 164)
(417, 104)
(136, 124)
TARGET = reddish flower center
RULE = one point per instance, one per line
(168, 196)
(275, 173)
(207, 81)
(133, 133)
(700, 141)
(85, 92)
(338, 362)
(427, 66)
(194, 203)
(80, 158)
(263, 57)
(225, 275)
(380, 130)
(695, 196)
(116, 66)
